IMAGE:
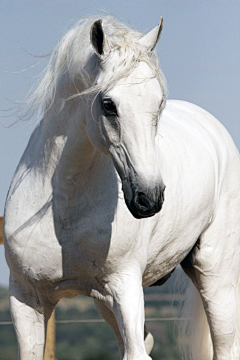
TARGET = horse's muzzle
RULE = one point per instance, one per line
(141, 199)
(144, 204)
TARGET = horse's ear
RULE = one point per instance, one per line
(150, 40)
(97, 37)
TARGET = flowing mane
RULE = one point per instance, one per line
(74, 61)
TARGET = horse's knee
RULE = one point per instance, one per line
(30, 330)
(29, 315)
(126, 302)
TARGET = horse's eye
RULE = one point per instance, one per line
(109, 107)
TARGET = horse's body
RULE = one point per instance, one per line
(68, 223)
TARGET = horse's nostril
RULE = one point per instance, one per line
(162, 196)
(142, 200)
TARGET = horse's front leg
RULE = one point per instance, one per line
(127, 304)
(109, 317)
(29, 318)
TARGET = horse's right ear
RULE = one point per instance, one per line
(150, 40)
(97, 37)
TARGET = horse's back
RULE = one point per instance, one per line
(193, 117)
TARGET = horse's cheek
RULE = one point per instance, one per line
(94, 133)
(110, 131)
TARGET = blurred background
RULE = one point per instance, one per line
(199, 53)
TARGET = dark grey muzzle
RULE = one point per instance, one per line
(143, 203)
(142, 200)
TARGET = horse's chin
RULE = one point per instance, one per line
(140, 213)
(141, 216)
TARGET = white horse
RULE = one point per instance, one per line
(79, 212)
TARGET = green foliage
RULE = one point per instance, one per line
(102, 355)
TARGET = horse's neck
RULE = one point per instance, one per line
(81, 170)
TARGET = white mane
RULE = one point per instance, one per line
(73, 60)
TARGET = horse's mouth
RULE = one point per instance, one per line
(141, 205)
(140, 215)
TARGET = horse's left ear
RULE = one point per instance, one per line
(97, 37)
(150, 40)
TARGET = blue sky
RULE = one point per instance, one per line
(199, 53)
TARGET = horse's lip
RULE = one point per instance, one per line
(138, 214)
(142, 216)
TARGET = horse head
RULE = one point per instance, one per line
(123, 117)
